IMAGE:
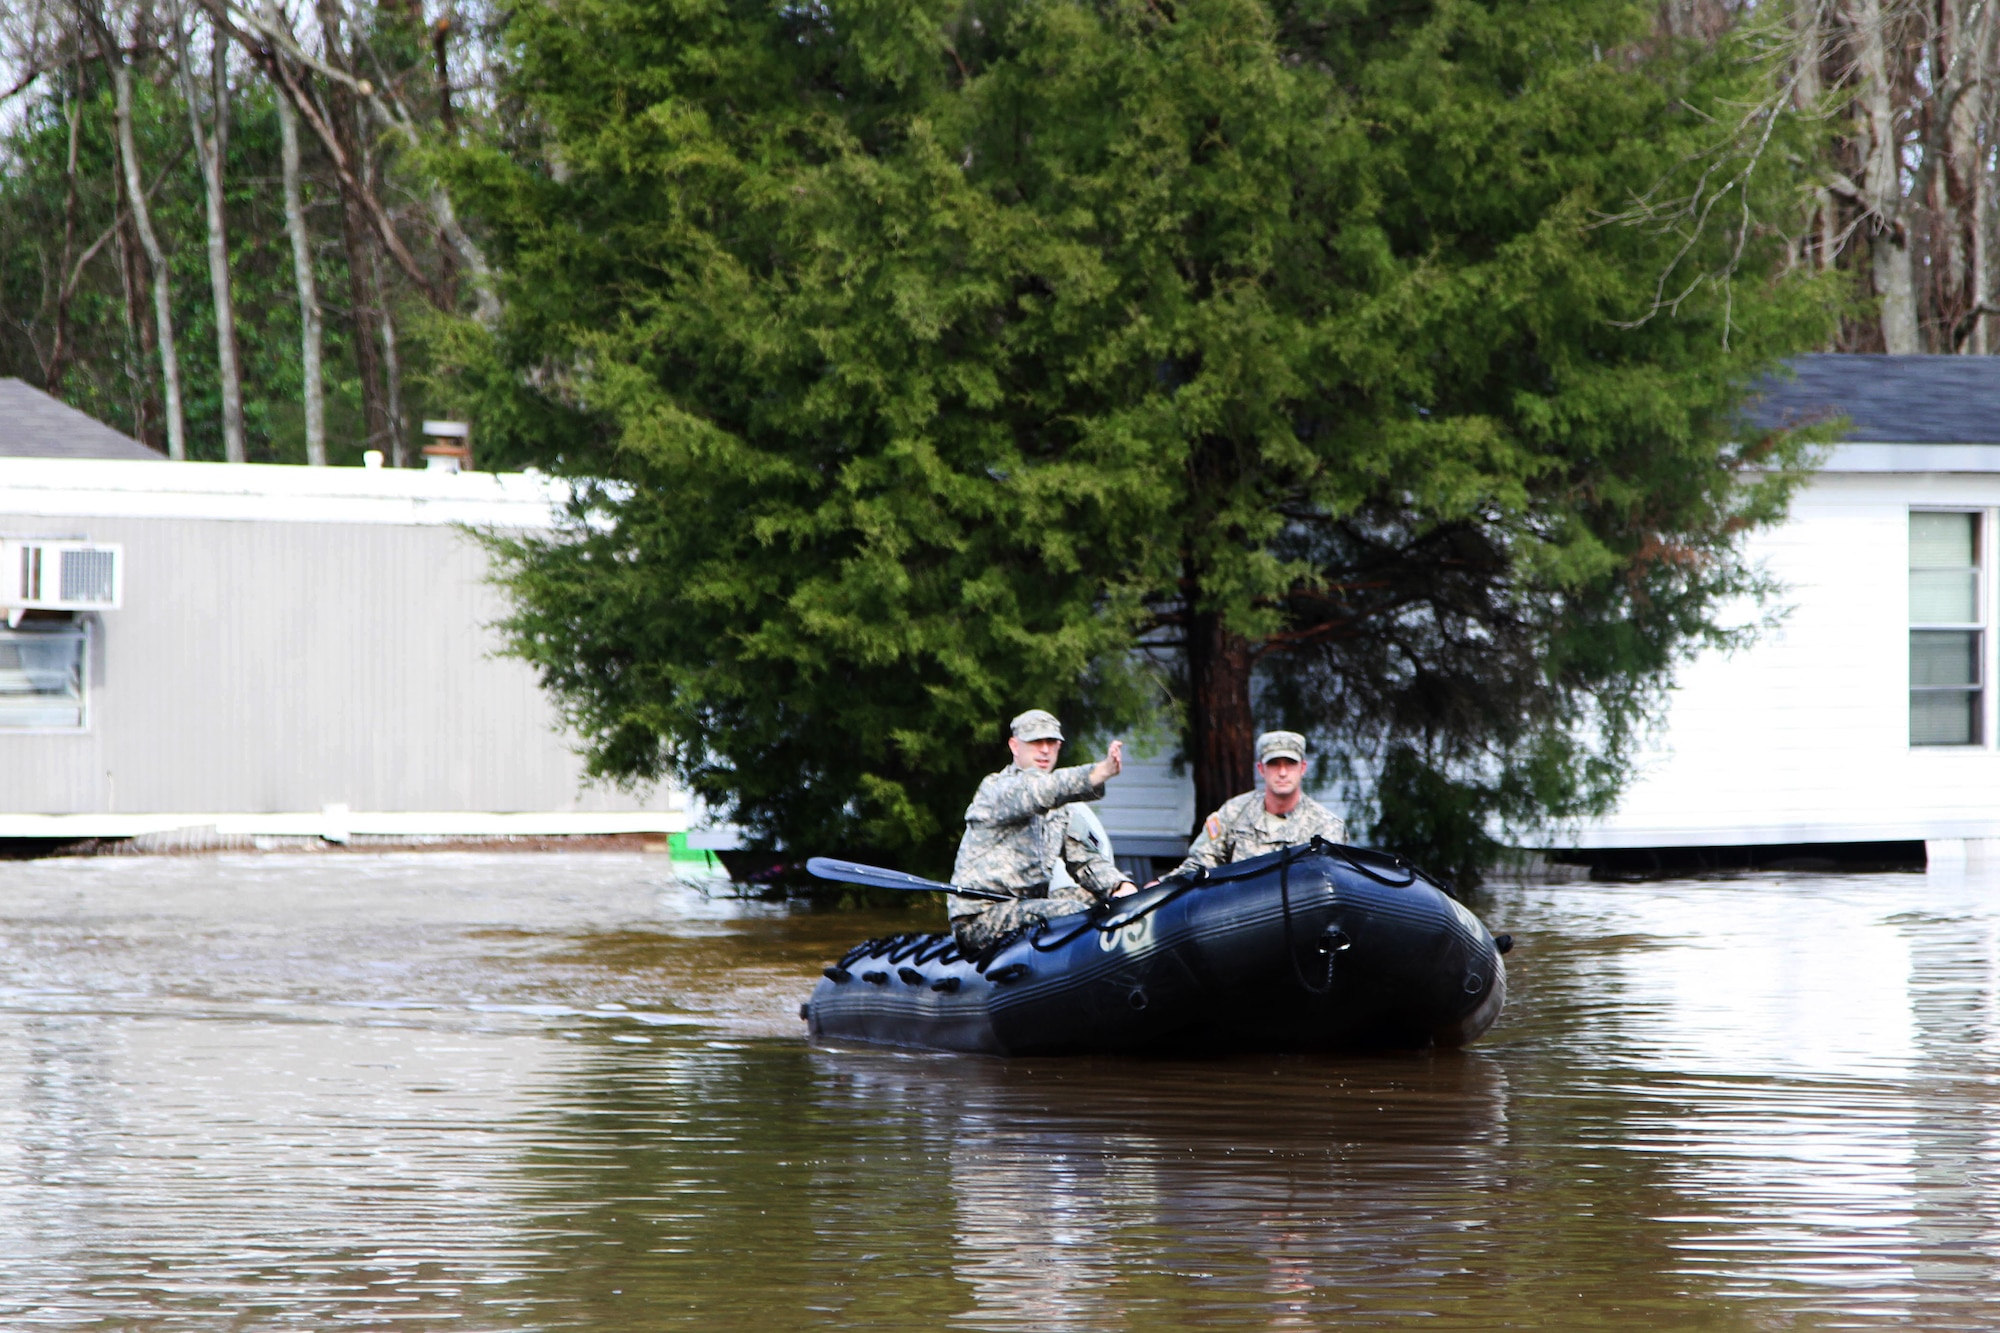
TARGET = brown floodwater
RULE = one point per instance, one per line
(570, 1092)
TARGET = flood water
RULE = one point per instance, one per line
(568, 1092)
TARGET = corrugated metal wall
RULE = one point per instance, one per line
(281, 666)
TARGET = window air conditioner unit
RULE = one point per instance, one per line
(61, 575)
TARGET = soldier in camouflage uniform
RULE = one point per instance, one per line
(1017, 830)
(1258, 822)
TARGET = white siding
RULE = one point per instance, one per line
(270, 665)
(1804, 737)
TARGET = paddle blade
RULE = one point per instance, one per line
(875, 877)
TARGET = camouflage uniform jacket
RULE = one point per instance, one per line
(1016, 829)
(1243, 828)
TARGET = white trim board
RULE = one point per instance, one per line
(336, 824)
(274, 492)
(1911, 458)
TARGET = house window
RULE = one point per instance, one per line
(42, 676)
(1947, 624)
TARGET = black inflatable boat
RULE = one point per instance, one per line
(1319, 947)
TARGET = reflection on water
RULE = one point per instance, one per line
(529, 1092)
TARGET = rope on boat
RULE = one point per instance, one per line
(946, 945)
(1040, 928)
(917, 946)
(1285, 901)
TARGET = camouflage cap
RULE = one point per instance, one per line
(1281, 745)
(1036, 725)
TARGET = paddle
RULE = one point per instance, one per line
(848, 872)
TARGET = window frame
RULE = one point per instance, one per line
(86, 629)
(1982, 630)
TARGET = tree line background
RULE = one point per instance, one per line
(1366, 366)
(220, 229)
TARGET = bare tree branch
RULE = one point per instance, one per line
(279, 64)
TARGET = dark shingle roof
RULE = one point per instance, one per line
(34, 425)
(1889, 399)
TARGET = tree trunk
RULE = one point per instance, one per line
(1893, 268)
(1222, 733)
(1807, 91)
(1971, 130)
(310, 337)
(392, 377)
(138, 330)
(392, 364)
(448, 119)
(365, 322)
(52, 376)
(1960, 53)
(142, 221)
(441, 50)
(212, 147)
(1982, 195)
(354, 237)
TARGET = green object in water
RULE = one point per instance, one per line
(678, 849)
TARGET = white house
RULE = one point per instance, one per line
(239, 650)
(1869, 715)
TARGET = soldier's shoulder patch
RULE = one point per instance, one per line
(1212, 827)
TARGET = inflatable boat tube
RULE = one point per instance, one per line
(1315, 948)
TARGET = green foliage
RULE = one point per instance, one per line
(936, 354)
(1427, 816)
(464, 373)
(1527, 516)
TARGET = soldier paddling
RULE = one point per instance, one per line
(1017, 830)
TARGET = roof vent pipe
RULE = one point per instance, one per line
(452, 450)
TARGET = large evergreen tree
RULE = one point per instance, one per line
(1370, 364)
